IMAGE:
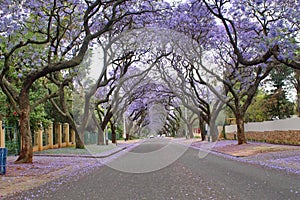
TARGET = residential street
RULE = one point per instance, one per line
(159, 169)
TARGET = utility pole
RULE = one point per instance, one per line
(105, 131)
(186, 124)
(124, 122)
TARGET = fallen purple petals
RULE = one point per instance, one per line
(58, 170)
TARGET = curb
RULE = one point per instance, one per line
(82, 155)
(89, 156)
(244, 159)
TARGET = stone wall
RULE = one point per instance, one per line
(283, 131)
(280, 125)
(291, 137)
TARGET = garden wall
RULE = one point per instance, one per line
(2, 136)
(55, 136)
(285, 131)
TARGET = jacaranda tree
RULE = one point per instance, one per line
(39, 38)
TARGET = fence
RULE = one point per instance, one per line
(12, 139)
(286, 131)
(2, 136)
(55, 136)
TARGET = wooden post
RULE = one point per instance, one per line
(59, 135)
(2, 136)
(66, 133)
(50, 135)
(40, 139)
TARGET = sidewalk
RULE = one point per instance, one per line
(56, 167)
(88, 154)
(282, 157)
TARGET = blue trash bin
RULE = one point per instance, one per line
(3, 154)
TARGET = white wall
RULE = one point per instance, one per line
(278, 125)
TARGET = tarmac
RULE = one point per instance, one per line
(53, 167)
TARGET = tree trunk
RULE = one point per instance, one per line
(298, 99)
(85, 118)
(113, 134)
(218, 106)
(105, 122)
(297, 87)
(298, 104)
(26, 153)
(100, 137)
(78, 140)
(240, 130)
(202, 128)
(213, 131)
(190, 131)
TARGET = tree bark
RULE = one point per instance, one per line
(297, 86)
(113, 134)
(86, 114)
(190, 131)
(100, 137)
(106, 120)
(78, 140)
(213, 131)
(240, 130)
(202, 128)
(26, 153)
(298, 101)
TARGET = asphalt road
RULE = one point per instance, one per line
(151, 172)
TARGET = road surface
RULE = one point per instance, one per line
(150, 171)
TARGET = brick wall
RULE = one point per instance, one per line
(275, 137)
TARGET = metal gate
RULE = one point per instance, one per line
(12, 140)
